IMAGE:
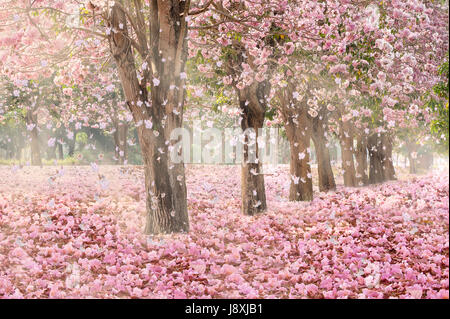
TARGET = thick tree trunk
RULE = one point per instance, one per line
(166, 202)
(348, 163)
(35, 147)
(361, 161)
(253, 193)
(300, 169)
(120, 140)
(166, 52)
(325, 171)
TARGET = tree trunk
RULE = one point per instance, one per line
(374, 146)
(167, 52)
(71, 147)
(120, 140)
(412, 157)
(425, 161)
(18, 153)
(380, 152)
(51, 153)
(361, 161)
(412, 165)
(253, 193)
(325, 171)
(166, 202)
(300, 169)
(348, 164)
(60, 151)
(35, 147)
(388, 164)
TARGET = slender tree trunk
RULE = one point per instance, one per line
(361, 161)
(120, 140)
(60, 151)
(71, 147)
(253, 193)
(35, 147)
(412, 165)
(376, 174)
(300, 169)
(167, 52)
(425, 161)
(348, 164)
(325, 171)
(388, 164)
(412, 156)
(51, 152)
(381, 165)
(18, 153)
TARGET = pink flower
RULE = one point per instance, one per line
(289, 48)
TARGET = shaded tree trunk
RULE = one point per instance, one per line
(71, 144)
(51, 153)
(412, 156)
(253, 193)
(412, 165)
(60, 151)
(425, 161)
(325, 171)
(388, 164)
(361, 161)
(300, 169)
(380, 152)
(36, 160)
(348, 163)
(120, 141)
(376, 155)
(164, 181)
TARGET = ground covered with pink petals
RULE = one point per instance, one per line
(77, 233)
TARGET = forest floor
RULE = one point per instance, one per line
(77, 233)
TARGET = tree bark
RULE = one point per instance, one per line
(380, 152)
(51, 152)
(60, 151)
(425, 161)
(361, 161)
(36, 160)
(376, 174)
(412, 165)
(388, 164)
(167, 52)
(412, 156)
(71, 147)
(120, 141)
(253, 193)
(300, 169)
(325, 171)
(348, 164)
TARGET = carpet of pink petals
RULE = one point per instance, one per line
(78, 233)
